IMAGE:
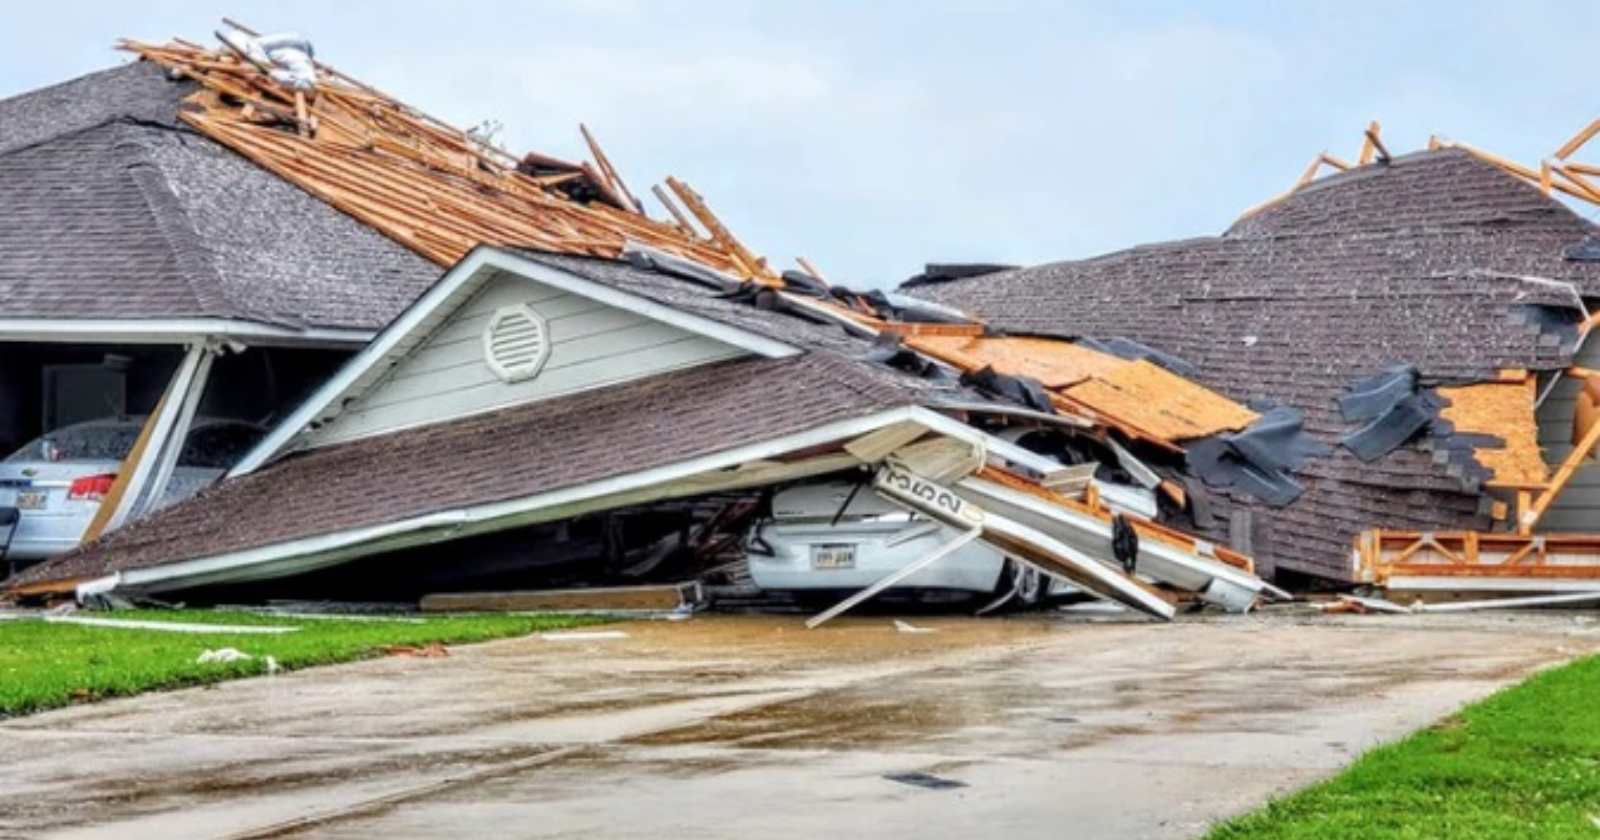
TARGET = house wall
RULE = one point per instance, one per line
(1578, 507)
(593, 345)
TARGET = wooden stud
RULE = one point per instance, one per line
(1364, 157)
(807, 267)
(1578, 140)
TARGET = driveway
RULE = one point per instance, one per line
(755, 727)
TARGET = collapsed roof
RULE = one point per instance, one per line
(752, 411)
(1437, 259)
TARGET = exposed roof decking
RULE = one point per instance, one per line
(1424, 261)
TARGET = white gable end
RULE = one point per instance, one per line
(517, 341)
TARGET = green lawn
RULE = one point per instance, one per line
(47, 665)
(1523, 763)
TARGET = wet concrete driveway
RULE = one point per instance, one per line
(754, 727)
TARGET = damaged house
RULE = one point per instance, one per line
(586, 384)
(1428, 315)
(165, 299)
(1378, 378)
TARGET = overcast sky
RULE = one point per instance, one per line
(874, 137)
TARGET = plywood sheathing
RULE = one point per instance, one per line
(1055, 363)
(1506, 411)
(425, 184)
(1138, 398)
(1163, 404)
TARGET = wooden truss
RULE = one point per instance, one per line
(434, 188)
(442, 191)
(1382, 556)
(1557, 173)
(1371, 147)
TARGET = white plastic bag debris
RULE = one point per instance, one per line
(583, 636)
(223, 655)
(286, 56)
(908, 627)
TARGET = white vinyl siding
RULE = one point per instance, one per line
(1578, 507)
(592, 345)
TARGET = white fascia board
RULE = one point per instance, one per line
(287, 551)
(476, 268)
(1183, 568)
(171, 331)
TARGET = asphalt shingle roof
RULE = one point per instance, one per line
(1430, 260)
(507, 454)
(112, 208)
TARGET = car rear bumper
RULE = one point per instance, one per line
(974, 568)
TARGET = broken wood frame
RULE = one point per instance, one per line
(1371, 145)
(432, 187)
(144, 474)
(1556, 173)
(1383, 555)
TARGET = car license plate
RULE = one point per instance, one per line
(833, 556)
(32, 499)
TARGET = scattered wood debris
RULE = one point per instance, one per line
(429, 185)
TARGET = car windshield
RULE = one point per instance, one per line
(83, 442)
(212, 445)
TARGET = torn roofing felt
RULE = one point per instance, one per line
(100, 180)
(500, 455)
(1430, 261)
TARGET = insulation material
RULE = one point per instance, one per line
(1056, 364)
(1158, 402)
(1504, 411)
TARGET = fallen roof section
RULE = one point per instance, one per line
(1436, 259)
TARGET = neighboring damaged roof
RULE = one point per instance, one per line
(507, 454)
(115, 210)
(1438, 260)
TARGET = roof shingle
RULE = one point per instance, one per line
(1430, 261)
(114, 209)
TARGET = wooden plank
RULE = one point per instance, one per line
(1364, 157)
(125, 471)
(652, 598)
(1576, 142)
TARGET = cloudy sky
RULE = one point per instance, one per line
(874, 137)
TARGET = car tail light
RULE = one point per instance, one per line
(91, 488)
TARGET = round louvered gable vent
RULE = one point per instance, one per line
(516, 343)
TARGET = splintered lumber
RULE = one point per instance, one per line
(754, 266)
(1483, 561)
(654, 598)
(428, 185)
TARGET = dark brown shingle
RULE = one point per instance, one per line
(1425, 261)
(502, 455)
